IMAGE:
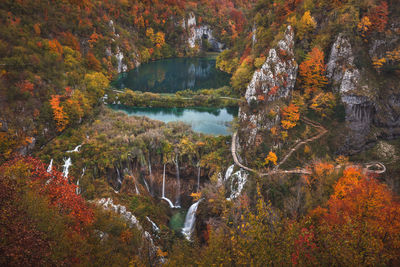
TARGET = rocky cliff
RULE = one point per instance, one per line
(371, 103)
(269, 85)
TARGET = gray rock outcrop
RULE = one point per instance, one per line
(274, 81)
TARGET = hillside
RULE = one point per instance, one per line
(118, 147)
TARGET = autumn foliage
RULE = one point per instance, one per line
(60, 117)
(312, 72)
(43, 221)
(290, 116)
(361, 218)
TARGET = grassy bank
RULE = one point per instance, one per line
(221, 97)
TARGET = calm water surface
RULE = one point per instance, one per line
(213, 121)
(175, 74)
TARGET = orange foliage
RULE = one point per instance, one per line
(36, 28)
(92, 62)
(290, 116)
(59, 115)
(362, 218)
(312, 72)
(55, 47)
(271, 158)
(26, 86)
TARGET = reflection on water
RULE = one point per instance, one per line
(213, 121)
(172, 75)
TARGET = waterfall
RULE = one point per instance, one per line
(241, 179)
(137, 190)
(77, 189)
(151, 179)
(108, 204)
(146, 184)
(178, 193)
(171, 205)
(67, 164)
(198, 178)
(229, 172)
(76, 149)
(190, 220)
(119, 177)
(49, 169)
(153, 225)
(163, 183)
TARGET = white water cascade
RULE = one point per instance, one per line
(78, 190)
(178, 193)
(239, 179)
(163, 184)
(171, 205)
(49, 169)
(153, 225)
(67, 164)
(146, 184)
(190, 220)
(151, 180)
(229, 172)
(119, 177)
(76, 149)
(107, 204)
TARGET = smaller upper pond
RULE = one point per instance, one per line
(213, 121)
(175, 74)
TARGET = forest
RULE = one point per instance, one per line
(307, 173)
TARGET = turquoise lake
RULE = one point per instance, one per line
(214, 121)
(172, 75)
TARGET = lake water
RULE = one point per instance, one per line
(213, 121)
(172, 75)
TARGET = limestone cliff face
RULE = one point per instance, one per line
(198, 33)
(273, 82)
(368, 104)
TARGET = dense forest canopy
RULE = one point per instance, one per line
(309, 175)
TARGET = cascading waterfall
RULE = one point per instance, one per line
(151, 179)
(229, 172)
(67, 164)
(76, 149)
(178, 194)
(137, 190)
(241, 179)
(108, 204)
(78, 189)
(153, 225)
(119, 177)
(163, 184)
(190, 220)
(171, 205)
(49, 169)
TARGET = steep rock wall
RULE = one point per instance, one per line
(272, 83)
(371, 104)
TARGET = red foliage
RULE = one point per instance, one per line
(379, 16)
(304, 248)
(60, 192)
(26, 86)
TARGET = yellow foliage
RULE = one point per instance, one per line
(364, 26)
(323, 103)
(306, 24)
(271, 158)
(196, 196)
